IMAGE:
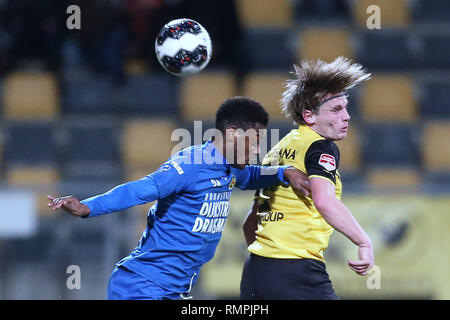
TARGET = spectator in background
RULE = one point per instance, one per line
(35, 30)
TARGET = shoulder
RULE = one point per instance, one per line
(324, 153)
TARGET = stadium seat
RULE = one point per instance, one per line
(372, 53)
(394, 13)
(401, 177)
(350, 150)
(87, 92)
(151, 94)
(264, 13)
(146, 143)
(92, 150)
(90, 140)
(322, 10)
(324, 43)
(30, 142)
(426, 11)
(42, 179)
(435, 145)
(435, 49)
(201, 95)
(266, 88)
(30, 95)
(32, 176)
(391, 144)
(388, 98)
(267, 49)
(435, 97)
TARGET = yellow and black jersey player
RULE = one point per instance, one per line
(288, 232)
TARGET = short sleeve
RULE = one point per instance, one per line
(322, 160)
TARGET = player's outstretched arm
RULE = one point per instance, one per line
(69, 204)
(256, 177)
(339, 217)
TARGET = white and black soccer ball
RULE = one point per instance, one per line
(183, 47)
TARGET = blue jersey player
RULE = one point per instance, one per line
(192, 190)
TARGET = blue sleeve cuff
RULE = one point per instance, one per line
(91, 209)
(281, 176)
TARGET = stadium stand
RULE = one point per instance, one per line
(30, 95)
(79, 96)
(326, 43)
(435, 97)
(152, 94)
(201, 95)
(398, 177)
(30, 142)
(92, 150)
(388, 98)
(264, 13)
(395, 13)
(391, 144)
(372, 50)
(331, 11)
(431, 11)
(435, 148)
(435, 48)
(266, 87)
(267, 49)
(146, 142)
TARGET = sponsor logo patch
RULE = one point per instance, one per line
(327, 161)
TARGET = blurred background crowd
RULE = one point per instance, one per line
(84, 110)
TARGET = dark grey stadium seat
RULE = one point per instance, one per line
(386, 51)
(151, 94)
(435, 50)
(435, 98)
(267, 49)
(390, 144)
(432, 11)
(87, 92)
(332, 10)
(30, 143)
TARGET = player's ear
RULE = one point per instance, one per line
(309, 117)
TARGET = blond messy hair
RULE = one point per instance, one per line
(314, 80)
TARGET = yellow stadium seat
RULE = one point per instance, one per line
(146, 143)
(393, 177)
(265, 13)
(436, 145)
(32, 176)
(389, 98)
(42, 179)
(350, 150)
(324, 43)
(30, 95)
(266, 88)
(394, 13)
(202, 94)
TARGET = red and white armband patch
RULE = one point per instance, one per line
(327, 161)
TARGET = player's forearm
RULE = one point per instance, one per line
(259, 177)
(340, 218)
(122, 197)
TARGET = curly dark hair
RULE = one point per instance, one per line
(241, 112)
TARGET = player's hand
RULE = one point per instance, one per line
(365, 262)
(69, 204)
(298, 180)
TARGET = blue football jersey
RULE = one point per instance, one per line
(193, 190)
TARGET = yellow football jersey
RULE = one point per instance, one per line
(289, 224)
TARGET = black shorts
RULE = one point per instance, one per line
(285, 279)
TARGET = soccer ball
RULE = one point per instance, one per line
(183, 47)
